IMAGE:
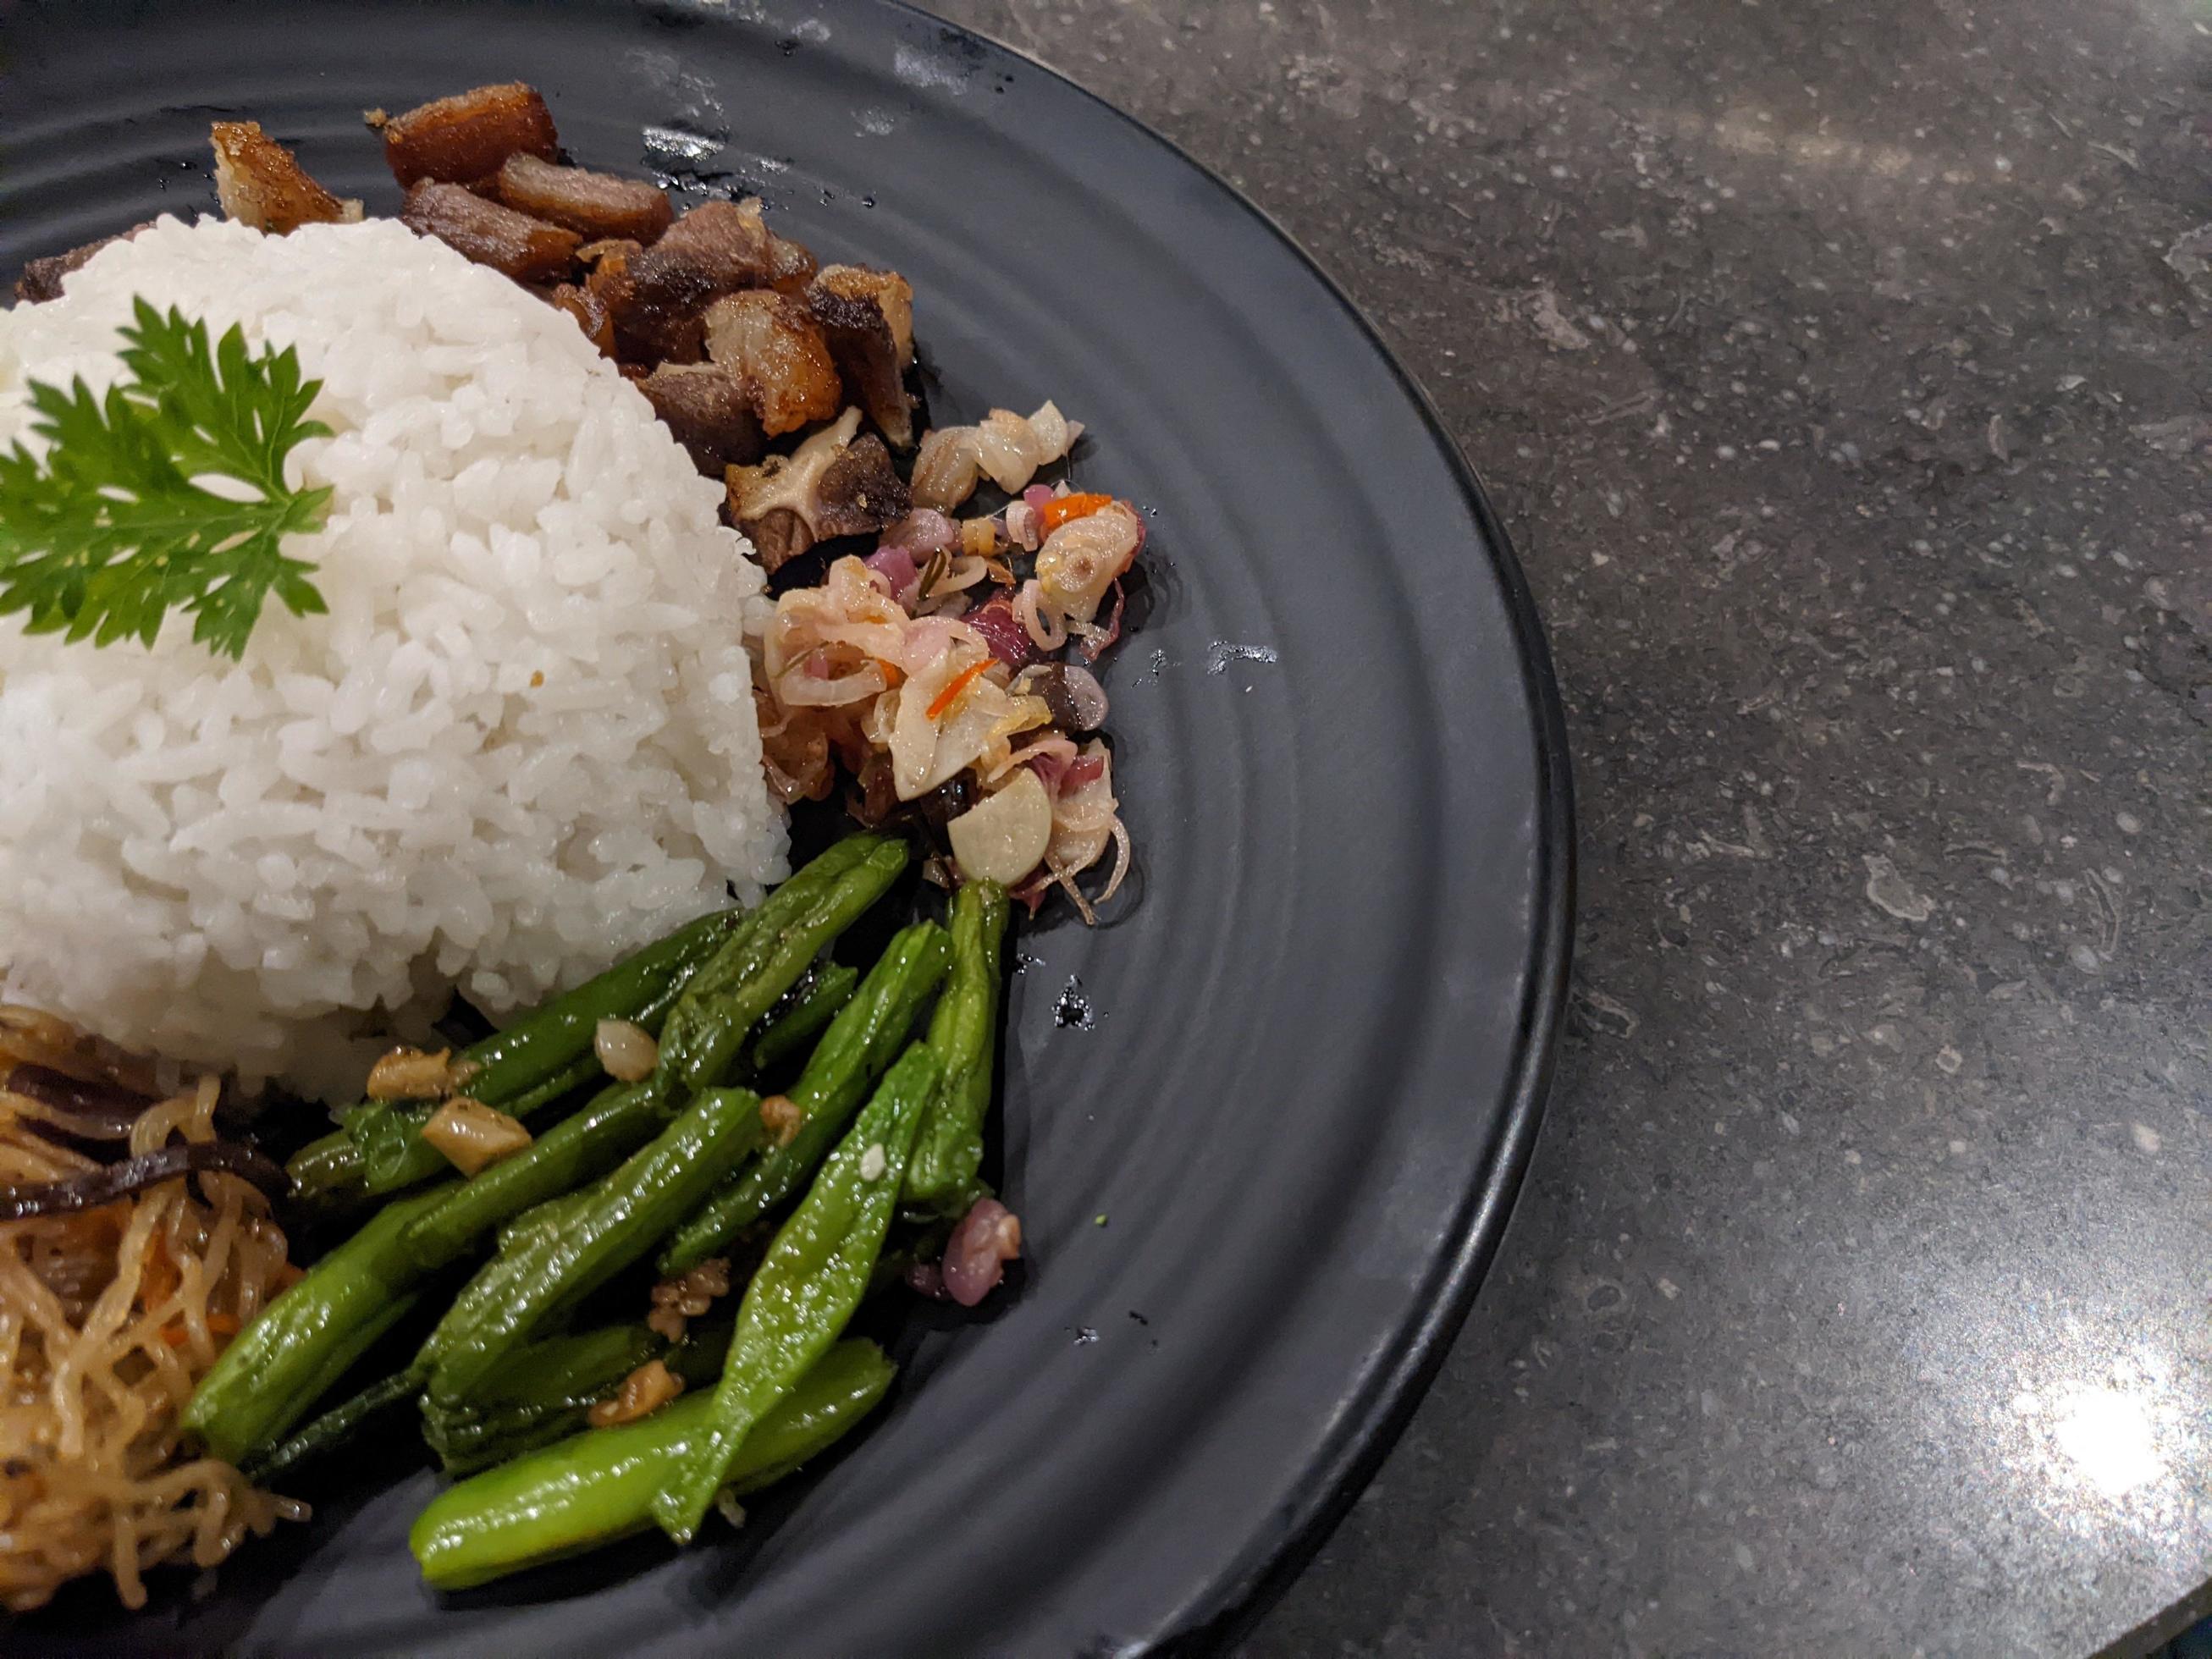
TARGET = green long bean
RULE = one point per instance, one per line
(628, 1213)
(813, 1276)
(574, 1151)
(545, 1391)
(321, 1436)
(593, 1488)
(295, 1351)
(542, 1055)
(290, 1356)
(305, 1341)
(816, 999)
(708, 1029)
(857, 1050)
(964, 1032)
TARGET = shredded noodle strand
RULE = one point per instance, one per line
(108, 1319)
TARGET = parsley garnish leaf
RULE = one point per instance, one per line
(113, 527)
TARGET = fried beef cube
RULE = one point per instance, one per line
(529, 250)
(830, 485)
(467, 137)
(42, 279)
(772, 342)
(867, 317)
(261, 184)
(728, 239)
(707, 408)
(594, 204)
(717, 248)
(859, 493)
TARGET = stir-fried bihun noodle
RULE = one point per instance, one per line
(111, 1308)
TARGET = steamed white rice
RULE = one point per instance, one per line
(521, 745)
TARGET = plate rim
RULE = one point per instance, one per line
(1231, 1603)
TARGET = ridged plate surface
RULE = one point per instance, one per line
(1260, 1180)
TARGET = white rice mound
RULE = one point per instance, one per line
(521, 744)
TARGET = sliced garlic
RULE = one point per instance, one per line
(1003, 837)
(627, 1052)
(472, 1136)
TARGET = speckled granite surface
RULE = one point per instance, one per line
(1841, 370)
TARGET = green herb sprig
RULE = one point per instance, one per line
(112, 529)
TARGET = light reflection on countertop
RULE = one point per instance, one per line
(2063, 1413)
(2099, 1444)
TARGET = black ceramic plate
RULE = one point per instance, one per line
(1264, 1127)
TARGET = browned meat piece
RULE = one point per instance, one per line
(262, 184)
(42, 279)
(868, 319)
(590, 313)
(725, 239)
(771, 341)
(889, 293)
(716, 249)
(465, 137)
(790, 266)
(707, 408)
(860, 493)
(830, 486)
(529, 250)
(597, 204)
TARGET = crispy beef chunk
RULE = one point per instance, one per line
(727, 239)
(772, 342)
(261, 184)
(467, 137)
(868, 319)
(529, 250)
(707, 408)
(717, 248)
(831, 485)
(859, 493)
(594, 204)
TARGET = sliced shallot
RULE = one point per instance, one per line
(988, 1237)
(1002, 631)
(896, 565)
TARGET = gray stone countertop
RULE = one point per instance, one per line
(1841, 372)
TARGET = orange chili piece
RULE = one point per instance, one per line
(960, 682)
(1061, 508)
